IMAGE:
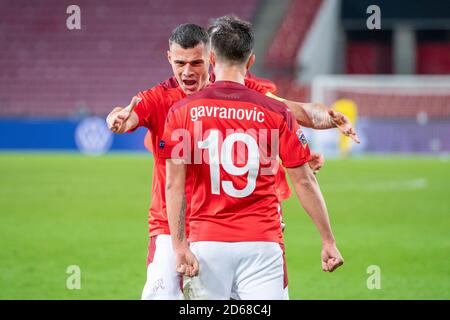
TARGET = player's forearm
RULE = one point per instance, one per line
(176, 213)
(311, 115)
(176, 204)
(310, 196)
(318, 115)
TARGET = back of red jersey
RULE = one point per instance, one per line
(232, 137)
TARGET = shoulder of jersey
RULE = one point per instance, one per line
(169, 83)
(165, 86)
(164, 91)
(260, 84)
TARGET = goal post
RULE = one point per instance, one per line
(395, 114)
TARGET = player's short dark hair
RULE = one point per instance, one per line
(231, 38)
(188, 36)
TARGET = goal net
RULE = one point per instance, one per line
(393, 114)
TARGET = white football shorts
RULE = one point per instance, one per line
(163, 282)
(250, 270)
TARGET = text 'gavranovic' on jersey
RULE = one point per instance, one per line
(229, 113)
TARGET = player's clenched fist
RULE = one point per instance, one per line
(186, 263)
(331, 257)
(118, 120)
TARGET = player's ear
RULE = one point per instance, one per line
(212, 58)
(169, 56)
(251, 61)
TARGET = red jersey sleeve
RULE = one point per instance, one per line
(148, 142)
(282, 186)
(261, 85)
(294, 149)
(176, 140)
(146, 109)
(255, 85)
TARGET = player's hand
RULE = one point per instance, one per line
(117, 120)
(331, 257)
(316, 162)
(186, 263)
(344, 125)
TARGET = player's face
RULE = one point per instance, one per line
(190, 66)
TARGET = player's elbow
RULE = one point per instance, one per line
(171, 186)
(174, 186)
(306, 183)
(303, 177)
(299, 113)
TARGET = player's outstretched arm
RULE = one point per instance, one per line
(121, 120)
(319, 116)
(310, 196)
(186, 262)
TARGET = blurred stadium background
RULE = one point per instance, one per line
(71, 193)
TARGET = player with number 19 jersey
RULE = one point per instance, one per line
(152, 112)
(235, 198)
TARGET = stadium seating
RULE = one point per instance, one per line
(288, 88)
(50, 71)
(287, 42)
(398, 104)
(368, 58)
(433, 58)
(281, 56)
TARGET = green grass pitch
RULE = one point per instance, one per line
(58, 210)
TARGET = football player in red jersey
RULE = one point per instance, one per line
(189, 57)
(235, 237)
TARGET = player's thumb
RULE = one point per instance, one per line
(331, 113)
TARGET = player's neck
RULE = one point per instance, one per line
(230, 73)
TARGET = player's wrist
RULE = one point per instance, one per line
(328, 241)
(180, 246)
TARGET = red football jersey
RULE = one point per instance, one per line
(227, 133)
(152, 113)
